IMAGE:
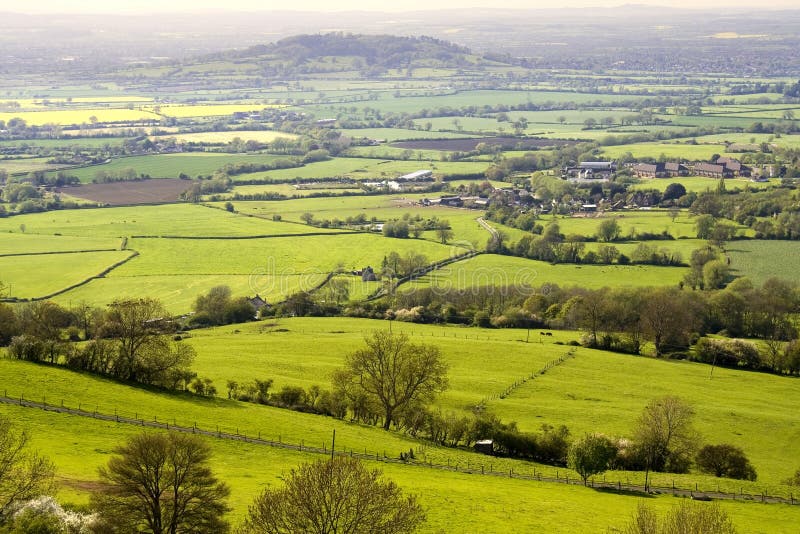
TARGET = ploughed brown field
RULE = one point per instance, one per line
(465, 145)
(134, 192)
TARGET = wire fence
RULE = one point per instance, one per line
(486, 468)
(522, 381)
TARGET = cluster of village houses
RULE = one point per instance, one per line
(722, 167)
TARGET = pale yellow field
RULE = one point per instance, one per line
(79, 116)
(209, 110)
(227, 137)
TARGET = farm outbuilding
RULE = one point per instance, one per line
(417, 176)
(484, 446)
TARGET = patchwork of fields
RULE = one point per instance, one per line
(482, 119)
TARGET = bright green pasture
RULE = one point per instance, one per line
(178, 292)
(23, 165)
(498, 270)
(673, 151)
(699, 183)
(67, 142)
(37, 276)
(384, 207)
(207, 110)
(261, 136)
(636, 222)
(629, 221)
(79, 116)
(290, 190)
(173, 219)
(18, 243)
(760, 260)
(389, 103)
(604, 392)
(398, 134)
(171, 165)
(306, 351)
(787, 140)
(55, 385)
(280, 256)
(394, 152)
(79, 446)
(367, 169)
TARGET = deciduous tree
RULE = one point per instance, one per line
(664, 435)
(334, 496)
(395, 372)
(685, 518)
(591, 455)
(161, 483)
(23, 473)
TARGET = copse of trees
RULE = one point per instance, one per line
(622, 319)
(218, 307)
(131, 340)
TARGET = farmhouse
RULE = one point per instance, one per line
(591, 170)
(258, 302)
(368, 274)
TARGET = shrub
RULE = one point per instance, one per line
(727, 353)
(725, 460)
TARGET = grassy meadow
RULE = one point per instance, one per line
(192, 164)
(593, 391)
(504, 504)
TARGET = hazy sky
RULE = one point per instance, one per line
(127, 6)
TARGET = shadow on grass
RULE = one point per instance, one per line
(625, 492)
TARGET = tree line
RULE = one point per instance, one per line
(131, 340)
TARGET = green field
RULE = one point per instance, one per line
(177, 252)
(593, 391)
(19, 243)
(261, 136)
(397, 134)
(448, 498)
(699, 184)
(168, 220)
(291, 190)
(760, 260)
(672, 151)
(37, 276)
(506, 270)
(178, 292)
(207, 110)
(172, 165)
(368, 169)
(26, 165)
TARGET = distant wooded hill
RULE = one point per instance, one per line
(340, 52)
